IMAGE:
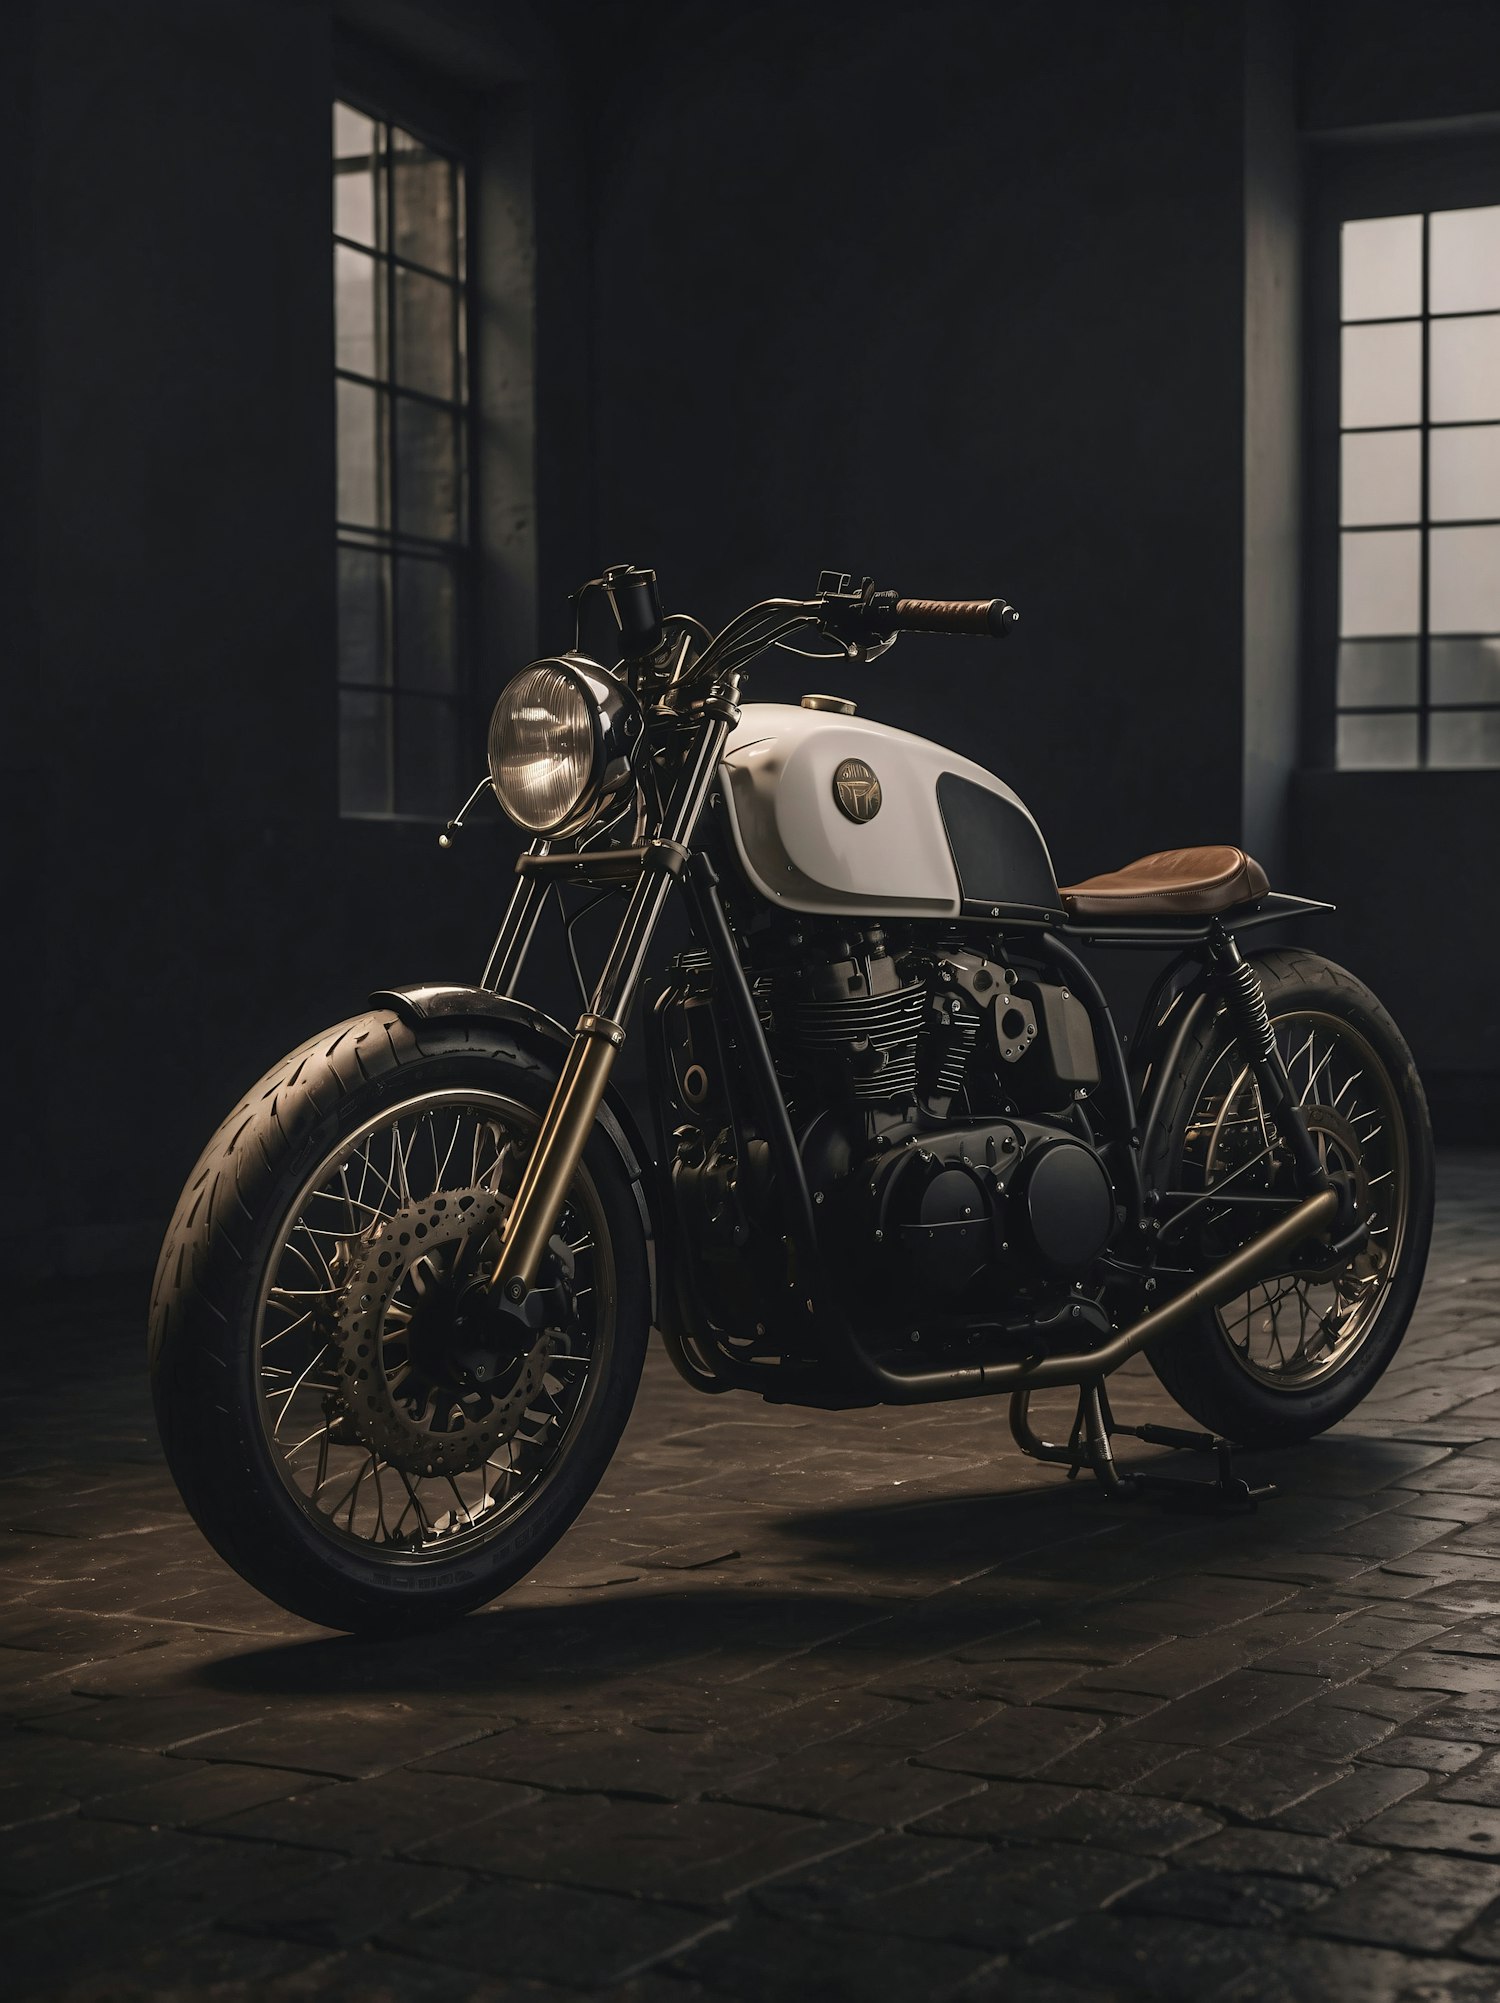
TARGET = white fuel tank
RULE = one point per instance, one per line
(840, 816)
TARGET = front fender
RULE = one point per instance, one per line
(445, 1002)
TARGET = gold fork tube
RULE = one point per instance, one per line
(559, 1147)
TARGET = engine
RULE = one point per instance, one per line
(940, 1099)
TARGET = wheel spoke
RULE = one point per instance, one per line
(368, 1484)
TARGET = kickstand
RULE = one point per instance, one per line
(1089, 1445)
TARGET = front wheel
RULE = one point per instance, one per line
(352, 1427)
(1295, 1354)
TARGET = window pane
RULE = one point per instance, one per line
(426, 624)
(421, 204)
(353, 174)
(1381, 477)
(427, 471)
(364, 596)
(1463, 260)
(426, 333)
(1464, 580)
(1365, 742)
(357, 288)
(1464, 473)
(1380, 582)
(1465, 670)
(365, 753)
(1465, 369)
(426, 761)
(361, 486)
(353, 132)
(1377, 673)
(1382, 267)
(1463, 737)
(1382, 375)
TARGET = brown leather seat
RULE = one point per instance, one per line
(1177, 883)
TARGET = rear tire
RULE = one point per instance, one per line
(1229, 1385)
(208, 1350)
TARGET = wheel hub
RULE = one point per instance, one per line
(434, 1374)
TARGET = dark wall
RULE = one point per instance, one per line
(978, 297)
(187, 903)
(964, 307)
(1408, 856)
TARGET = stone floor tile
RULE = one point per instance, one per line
(763, 1958)
(854, 1782)
(860, 1876)
(1254, 1782)
(1280, 1853)
(349, 1906)
(1455, 1827)
(1420, 1749)
(665, 1766)
(369, 1818)
(1223, 1898)
(1340, 1806)
(1007, 1897)
(554, 1933)
(1021, 1741)
(1142, 1957)
(198, 1795)
(697, 1851)
(350, 1742)
(1024, 1811)
(1413, 1901)
(1329, 1734)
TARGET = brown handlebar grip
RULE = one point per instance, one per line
(987, 617)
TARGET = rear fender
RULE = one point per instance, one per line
(547, 1037)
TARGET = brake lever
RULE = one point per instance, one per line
(847, 616)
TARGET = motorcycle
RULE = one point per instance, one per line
(899, 1151)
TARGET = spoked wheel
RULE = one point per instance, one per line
(1297, 1352)
(360, 1427)
(397, 1417)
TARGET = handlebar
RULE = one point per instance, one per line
(985, 617)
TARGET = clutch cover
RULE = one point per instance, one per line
(416, 1385)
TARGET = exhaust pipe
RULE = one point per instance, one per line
(1239, 1271)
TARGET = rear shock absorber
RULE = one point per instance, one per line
(1245, 1001)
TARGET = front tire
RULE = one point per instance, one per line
(332, 1435)
(1291, 1358)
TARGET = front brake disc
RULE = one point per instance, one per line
(420, 1419)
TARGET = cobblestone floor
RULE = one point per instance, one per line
(805, 1707)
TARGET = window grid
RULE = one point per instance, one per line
(1420, 636)
(402, 517)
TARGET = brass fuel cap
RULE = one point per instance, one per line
(836, 705)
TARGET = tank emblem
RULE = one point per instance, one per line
(857, 790)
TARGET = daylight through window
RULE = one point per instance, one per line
(401, 366)
(1419, 490)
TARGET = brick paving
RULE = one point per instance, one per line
(805, 1707)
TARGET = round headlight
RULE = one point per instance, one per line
(560, 744)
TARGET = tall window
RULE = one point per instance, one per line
(1419, 490)
(400, 308)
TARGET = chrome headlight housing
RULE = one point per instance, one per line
(562, 744)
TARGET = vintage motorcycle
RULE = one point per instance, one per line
(900, 1152)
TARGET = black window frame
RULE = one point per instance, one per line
(1352, 180)
(445, 123)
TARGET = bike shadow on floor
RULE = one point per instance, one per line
(859, 1589)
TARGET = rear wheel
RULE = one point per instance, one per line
(1294, 1354)
(355, 1424)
